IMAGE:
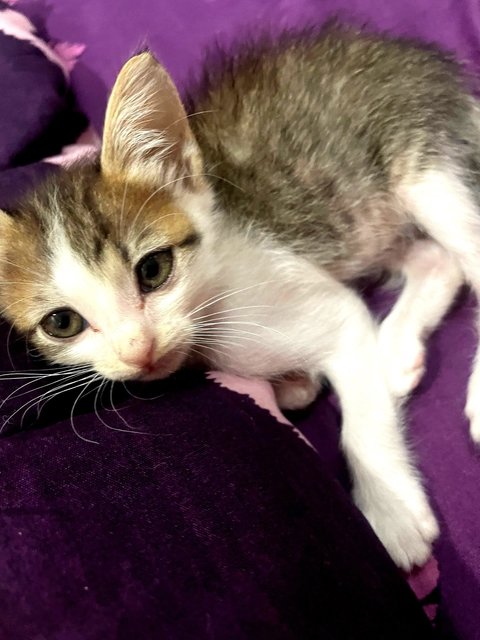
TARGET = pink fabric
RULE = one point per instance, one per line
(86, 146)
(69, 53)
(423, 581)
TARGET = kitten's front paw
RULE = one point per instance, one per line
(403, 358)
(296, 392)
(406, 531)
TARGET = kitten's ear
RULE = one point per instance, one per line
(146, 136)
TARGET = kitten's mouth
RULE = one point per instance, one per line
(163, 367)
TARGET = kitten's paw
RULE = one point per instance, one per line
(472, 411)
(403, 359)
(296, 392)
(407, 531)
(475, 428)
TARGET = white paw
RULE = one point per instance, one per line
(407, 531)
(475, 428)
(403, 358)
(472, 410)
(296, 392)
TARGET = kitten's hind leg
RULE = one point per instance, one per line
(296, 391)
(448, 210)
(433, 277)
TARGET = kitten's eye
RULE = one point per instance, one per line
(154, 269)
(63, 323)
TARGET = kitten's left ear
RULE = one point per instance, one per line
(146, 136)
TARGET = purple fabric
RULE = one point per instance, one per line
(199, 529)
(179, 32)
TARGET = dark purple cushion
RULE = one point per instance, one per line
(218, 523)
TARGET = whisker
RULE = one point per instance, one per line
(9, 353)
(230, 311)
(2, 282)
(41, 373)
(190, 115)
(51, 383)
(26, 384)
(108, 426)
(12, 304)
(72, 422)
(122, 210)
(229, 338)
(232, 184)
(116, 410)
(175, 180)
(28, 405)
(18, 266)
(226, 294)
(142, 231)
(204, 346)
(51, 393)
(161, 395)
(227, 324)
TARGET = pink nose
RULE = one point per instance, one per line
(139, 352)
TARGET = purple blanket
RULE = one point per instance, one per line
(87, 517)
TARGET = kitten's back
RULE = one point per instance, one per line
(315, 130)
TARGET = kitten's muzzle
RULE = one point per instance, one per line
(139, 350)
(163, 367)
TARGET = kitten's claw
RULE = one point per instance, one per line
(403, 360)
(406, 531)
(296, 392)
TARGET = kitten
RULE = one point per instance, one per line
(233, 237)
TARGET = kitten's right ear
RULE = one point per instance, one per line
(146, 135)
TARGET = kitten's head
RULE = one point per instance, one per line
(104, 265)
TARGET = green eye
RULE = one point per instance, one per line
(154, 270)
(63, 323)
